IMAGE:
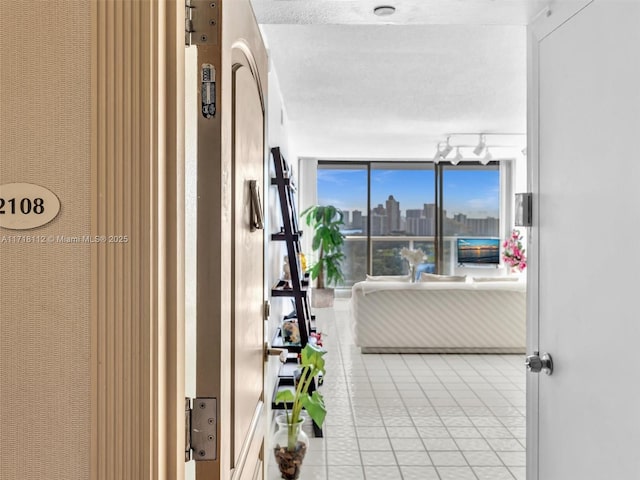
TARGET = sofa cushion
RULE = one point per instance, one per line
(494, 279)
(388, 278)
(432, 277)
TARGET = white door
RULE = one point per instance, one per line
(585, 423)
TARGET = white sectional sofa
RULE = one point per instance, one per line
(439, 317)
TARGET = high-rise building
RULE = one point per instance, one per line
(378, 224)
(393, 215)
(460, 218)
(430, 216)
(418, 226)
(483, 226)
(346, 218)
(477, 227)
(379, 210)
(429, 210)
(357, 220)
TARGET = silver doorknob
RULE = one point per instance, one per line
(536, 364)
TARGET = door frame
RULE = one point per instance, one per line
(215, 204)
(137, 177)
(532, 381)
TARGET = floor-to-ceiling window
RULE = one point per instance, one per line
(402, 214)
(470, 208)
(391, 205)
(345, 186)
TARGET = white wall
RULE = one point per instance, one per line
(277, 136)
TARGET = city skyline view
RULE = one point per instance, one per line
(474, 193)
(403, 213)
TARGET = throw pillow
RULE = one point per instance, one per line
(494, 279)
(432, 277)
(388, 278)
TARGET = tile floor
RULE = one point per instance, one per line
(415, 417)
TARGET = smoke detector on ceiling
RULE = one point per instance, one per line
(384, 10)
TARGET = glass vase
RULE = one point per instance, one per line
(412, 273)
(290, 447)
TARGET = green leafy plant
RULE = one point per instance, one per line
(311, 364)
(327, 241)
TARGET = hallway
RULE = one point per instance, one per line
(415, 417)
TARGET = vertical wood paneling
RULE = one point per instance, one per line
(137, 302)
(96, 29)
(175, 248)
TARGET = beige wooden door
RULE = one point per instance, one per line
(247, 318)
(230, 250)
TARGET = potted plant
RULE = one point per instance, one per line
(290, 441)
(327, 241)
(413, 257)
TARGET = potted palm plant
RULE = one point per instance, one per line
(290, 441)
(327, 242)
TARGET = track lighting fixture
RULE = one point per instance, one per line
(457, 158)
(447, 149)
(480, 147)
(508, 150)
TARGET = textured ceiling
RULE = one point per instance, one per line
(356, 86)
(408, 12)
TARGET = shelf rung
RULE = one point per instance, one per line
(284, 181)
(290, 292)
(281, 236)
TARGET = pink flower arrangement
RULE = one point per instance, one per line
(513, 252)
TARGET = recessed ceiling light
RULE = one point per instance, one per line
(384, 10)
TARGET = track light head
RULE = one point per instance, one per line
(487, 158)
(480, 147)
(447, 149)
(438, 156)
(457, 158)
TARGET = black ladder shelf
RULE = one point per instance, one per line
(297, 287)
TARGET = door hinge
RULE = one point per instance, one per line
(201, 424)
(201, 22)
